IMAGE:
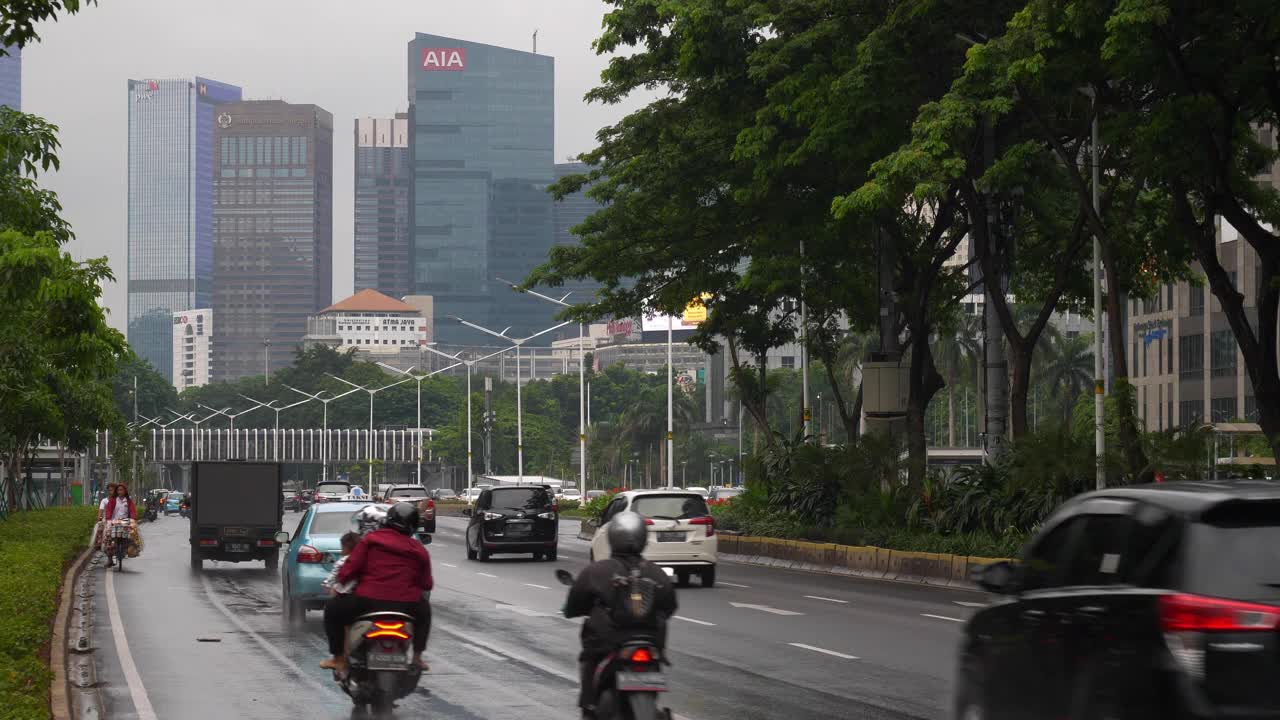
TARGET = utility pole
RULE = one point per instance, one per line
(1099, 384)
(804, 352)
(490, 419)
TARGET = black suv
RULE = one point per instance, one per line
(1154, 601)
(515, 519)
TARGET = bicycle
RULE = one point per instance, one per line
(120, 536)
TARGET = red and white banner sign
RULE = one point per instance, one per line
(444, 59)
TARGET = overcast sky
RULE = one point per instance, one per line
(348, 56)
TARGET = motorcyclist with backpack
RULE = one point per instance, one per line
(604, 593)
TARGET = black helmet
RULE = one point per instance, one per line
(403, 517)
(628, 534)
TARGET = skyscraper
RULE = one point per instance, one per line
(171, 124)
(568, 213)
(11, 78)
(273, 231)
(482, 124)
(382, 258)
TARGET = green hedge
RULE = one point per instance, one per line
(35, 548)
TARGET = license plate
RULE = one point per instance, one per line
(641, 682)
(523, 528)
(670, 537)
(386, 661)
(237, 547)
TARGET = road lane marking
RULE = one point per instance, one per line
(745, 587)
(824, 651)
(695, 622)
(449, 565)
(527, 612)
(969, 604)
(137, 692)
(540, 587)
(941, 617)
(764, 608)
(484, 653)
(827, 599)
(486, 575)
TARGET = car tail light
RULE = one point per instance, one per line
(642, 656)
(266, 543)
(209, 542)
(1187, 619)
(647, 521)
(308, 554)
(707, 520)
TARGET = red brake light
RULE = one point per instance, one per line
(647, 521)
(431, 504)
(308, 554)
(398, 634)
(707, 520)
(641, 655)
(1181, 613)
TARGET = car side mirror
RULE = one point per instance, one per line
(282, 537)
(1000, 578)
(466, 512)
(564, 577)
(425, 538)
(594, 522)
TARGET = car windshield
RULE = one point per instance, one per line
(1235, 553)
(670, 507)
(447, 494)
(520, 498)
(330, 487)
(331, 523)
(408, 492)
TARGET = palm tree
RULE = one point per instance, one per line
(955, 349)
(645, 420)
(1068, 368)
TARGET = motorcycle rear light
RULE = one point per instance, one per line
(1188, 620)
(308, 554)
(398, 634)
(707, 520)
(641, 655)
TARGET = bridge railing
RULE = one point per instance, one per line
(305, 445)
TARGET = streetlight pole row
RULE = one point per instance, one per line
(470, 365)
(418, 431)
(372, 392)
(324, 430)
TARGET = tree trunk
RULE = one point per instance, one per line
(1020, 383)
(951, 402)
(853, 428)
(924, 382)
(1135, 457)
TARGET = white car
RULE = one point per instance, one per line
(704, 492)
(572, 494)
(682, 533)
(332, 491)
(471, 493)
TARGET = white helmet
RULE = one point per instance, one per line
(370, 518)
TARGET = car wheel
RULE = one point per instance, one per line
(970, 698)
(682, 578)
(197, 562)
(483, 555)
(591, 555)
(272, 563)
(551, 556)
(295, 613)
(709, 577)
(537, 557)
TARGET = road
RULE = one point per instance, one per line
(764, 643)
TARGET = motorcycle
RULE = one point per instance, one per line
(381, 667)
(184, 510)
(152, 511)
(628, 681)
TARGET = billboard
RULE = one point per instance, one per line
(695, 313)
(454, 59)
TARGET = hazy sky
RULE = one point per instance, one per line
(348, 56)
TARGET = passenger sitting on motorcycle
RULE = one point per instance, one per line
(119, 507)
(595, 594)
(348, 543)
(393, 571)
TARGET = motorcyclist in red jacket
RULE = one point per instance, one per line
(392, 571)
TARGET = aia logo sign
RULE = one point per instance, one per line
(444, 59)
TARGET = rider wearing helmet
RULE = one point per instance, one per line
(393, 571)
(595, 592)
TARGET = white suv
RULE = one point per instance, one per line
(682, 533)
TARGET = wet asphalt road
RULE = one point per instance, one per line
(796, 645)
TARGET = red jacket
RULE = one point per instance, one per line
(111, 508)
(388, 565)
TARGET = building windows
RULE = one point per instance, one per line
(1190, 412)
(1191, 357)
(1223, 352)
(789, 362)
(1195, 308)
(1224, 409)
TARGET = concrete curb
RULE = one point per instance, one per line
(941, 569)
(74, 673)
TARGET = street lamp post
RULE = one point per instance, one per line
(470, 365)
(419, 379)
(275, 438)
(372, 392)
(266, 356)
(582, 385)
(195, 446)
(518, 343)
(324, 426)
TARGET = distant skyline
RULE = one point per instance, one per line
(332, 53)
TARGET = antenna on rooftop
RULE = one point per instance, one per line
(535, 41)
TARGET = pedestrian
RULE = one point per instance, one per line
(119, 507)
(100, 528)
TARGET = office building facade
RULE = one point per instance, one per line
(481, 150)
(567, 214)
(273, 231)
(170, 214)
(11, 78)
(382, 260)
(192, 348)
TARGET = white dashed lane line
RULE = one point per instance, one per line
(824, 651)
(941, 617)
(482, 574)
(695, 622)
(827, 599)
(735, 585)
(540, 587)
(963, 603)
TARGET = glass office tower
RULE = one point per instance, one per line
(11, 78)
(383, 261)
(171, 124)
(482, 123)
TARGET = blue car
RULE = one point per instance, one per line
(312, 551)
(172, 503)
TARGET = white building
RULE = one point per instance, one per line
(192, 348)
(370, 323)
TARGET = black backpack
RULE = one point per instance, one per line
(633, 598)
